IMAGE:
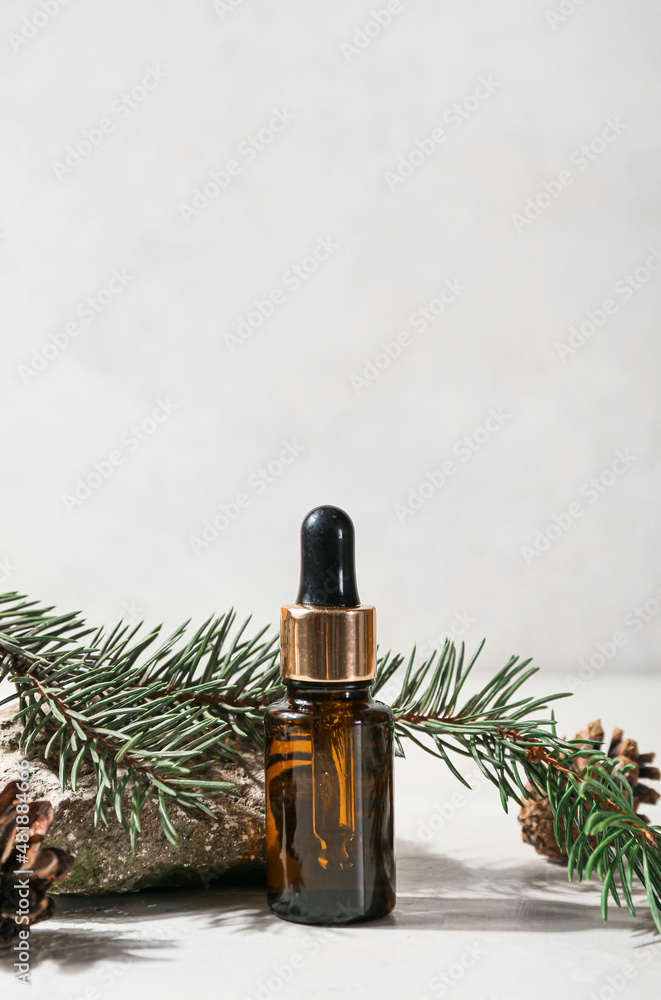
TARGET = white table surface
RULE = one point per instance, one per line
(476, 908)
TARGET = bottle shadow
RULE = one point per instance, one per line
(438, 892)
(435, 892)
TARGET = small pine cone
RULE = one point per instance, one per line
(536, 817)
(627, 752)
(18, 856)
(536, 821)
(593, 732)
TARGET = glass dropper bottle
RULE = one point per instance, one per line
(329, 746)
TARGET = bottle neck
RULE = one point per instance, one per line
(305, 692)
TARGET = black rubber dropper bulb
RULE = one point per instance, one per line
(328, 573)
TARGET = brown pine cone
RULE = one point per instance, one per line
(626, 751)
(536, 817)
(20, 854)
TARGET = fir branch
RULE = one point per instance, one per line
(145, 717)
(522, 755)
(149, 715)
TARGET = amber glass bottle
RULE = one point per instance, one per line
(329, 818)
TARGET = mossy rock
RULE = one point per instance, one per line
(206, 848)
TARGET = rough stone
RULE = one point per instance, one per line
(105, 863)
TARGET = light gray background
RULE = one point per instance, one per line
(126, 549)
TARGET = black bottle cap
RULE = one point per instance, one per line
(328, 574)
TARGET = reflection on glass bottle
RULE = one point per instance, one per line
(333, 802)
